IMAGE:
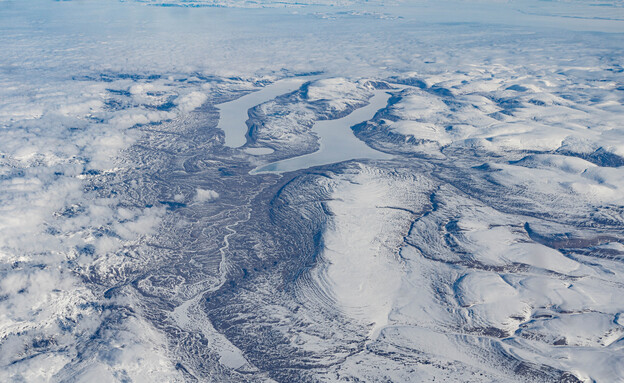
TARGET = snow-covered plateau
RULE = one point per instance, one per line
(311, 191)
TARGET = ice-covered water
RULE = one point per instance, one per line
(233, 114)
(337, 141)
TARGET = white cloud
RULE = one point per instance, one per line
(206, 195)
(191, 101)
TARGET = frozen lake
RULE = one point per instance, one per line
(338, 143)
(234, 114)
